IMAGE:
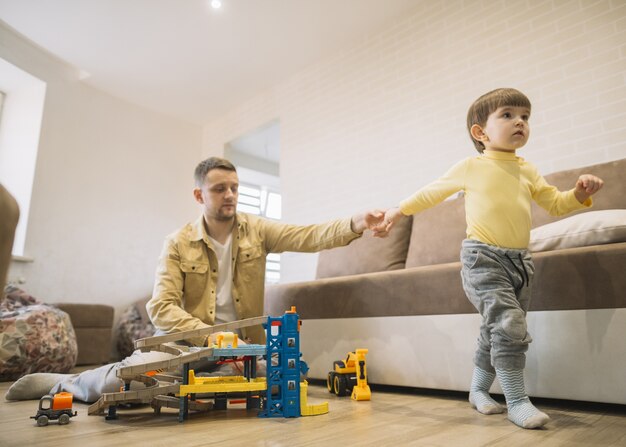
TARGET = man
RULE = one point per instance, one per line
(211, 271)
(218, 262)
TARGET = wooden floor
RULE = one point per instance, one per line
(394, 417)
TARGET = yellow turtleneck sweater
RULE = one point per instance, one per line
(498, 189)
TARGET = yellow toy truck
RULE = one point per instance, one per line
(55, 407)
(350, 376)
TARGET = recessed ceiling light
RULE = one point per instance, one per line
(216, 4)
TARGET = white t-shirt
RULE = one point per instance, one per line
(224, 307)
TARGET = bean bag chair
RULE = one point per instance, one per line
(34, 337)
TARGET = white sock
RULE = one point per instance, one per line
(526, 415)
(521, 411)
(34, 386)
(479, 392)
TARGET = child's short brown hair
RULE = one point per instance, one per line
(488, 103)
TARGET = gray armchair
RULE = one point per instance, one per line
(10, 214)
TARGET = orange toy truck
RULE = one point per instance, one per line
(55, 407)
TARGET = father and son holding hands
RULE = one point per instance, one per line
(212, 271)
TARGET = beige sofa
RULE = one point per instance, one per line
(402, 299)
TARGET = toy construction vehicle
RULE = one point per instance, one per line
(55, 407)
(350, 376)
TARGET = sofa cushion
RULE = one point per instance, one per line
(581, 230)
(93, 324)
(610, 197)
(437, 234)
(367, 254)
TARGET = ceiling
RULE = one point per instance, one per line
(188, 60)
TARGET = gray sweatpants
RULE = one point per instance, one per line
(498, 282)
(89, 385)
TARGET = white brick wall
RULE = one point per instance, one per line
(371, 124)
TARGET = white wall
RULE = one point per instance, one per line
(111, 181)
(373, 123)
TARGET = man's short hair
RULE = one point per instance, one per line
(210, 163)
(488, 103)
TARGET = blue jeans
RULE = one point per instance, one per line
(498, 282)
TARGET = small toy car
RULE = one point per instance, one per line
(57, 407)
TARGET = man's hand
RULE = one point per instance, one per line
(391, 217)
(586, 186)
(213, 339)
(361, 222)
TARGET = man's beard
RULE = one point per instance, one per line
(224, 217)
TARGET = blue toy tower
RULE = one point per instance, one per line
(283, 379)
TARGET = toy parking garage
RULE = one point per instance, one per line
(281, 393)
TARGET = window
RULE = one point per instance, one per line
(250, 200)
(22, 111)
(263, 201)
(256, 155)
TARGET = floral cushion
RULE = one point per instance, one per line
(134, 324)
(34, 337)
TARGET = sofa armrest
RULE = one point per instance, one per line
(93, 324)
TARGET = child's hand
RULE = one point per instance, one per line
(392, 216)
(586, 186)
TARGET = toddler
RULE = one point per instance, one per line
(497, 268)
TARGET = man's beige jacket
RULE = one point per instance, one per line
(186, 278)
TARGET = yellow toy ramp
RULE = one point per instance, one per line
(310, 410)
